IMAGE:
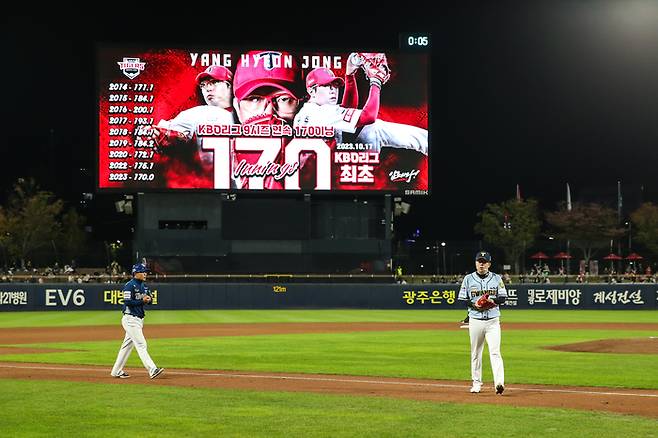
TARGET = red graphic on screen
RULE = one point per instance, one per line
(165, 127)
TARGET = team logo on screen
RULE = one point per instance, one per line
(131, 67)
(269, 60)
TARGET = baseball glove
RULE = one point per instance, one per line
(375, 66)
(483, 303)
(165, 136)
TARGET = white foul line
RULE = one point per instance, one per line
(336, 380)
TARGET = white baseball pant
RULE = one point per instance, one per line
(480, 330)
(134, 338)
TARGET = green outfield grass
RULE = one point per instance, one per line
(412, 354)
(76, 409)
(95, 410)
(77, 318)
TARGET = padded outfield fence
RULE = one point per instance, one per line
(291, 295)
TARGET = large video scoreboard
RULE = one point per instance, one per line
(253, 119)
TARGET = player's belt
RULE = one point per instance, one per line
(485, 319)
(130, 314)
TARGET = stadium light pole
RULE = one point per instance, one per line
(443, 250)
(630, 229)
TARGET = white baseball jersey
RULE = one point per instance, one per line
(378, 134)
(341, 119)
(188, 121)
(473, 287)
(396, 135)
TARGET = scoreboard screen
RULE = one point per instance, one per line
(252, 119)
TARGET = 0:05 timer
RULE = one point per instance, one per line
(423, 41)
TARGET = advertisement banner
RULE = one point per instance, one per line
(181, 296)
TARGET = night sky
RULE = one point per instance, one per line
(531, 93)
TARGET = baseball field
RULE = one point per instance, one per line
(328, 373)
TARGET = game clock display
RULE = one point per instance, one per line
(248, 119)
(415, 41)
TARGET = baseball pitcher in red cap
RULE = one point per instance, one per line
(267, 87)
(322, 108)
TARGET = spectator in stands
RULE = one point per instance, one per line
(115, 268)
(630, 273)
(398, 274)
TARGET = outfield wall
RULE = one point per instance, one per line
(88, 296)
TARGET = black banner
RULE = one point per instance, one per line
(174, 296)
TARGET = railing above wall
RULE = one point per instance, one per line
(95, 276)
(205, 278)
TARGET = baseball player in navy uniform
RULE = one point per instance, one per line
(484, 324)
(135, 296)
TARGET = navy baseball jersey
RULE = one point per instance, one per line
(133, 291)
(473, 287)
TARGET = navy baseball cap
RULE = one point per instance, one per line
(140, 267)
(483, 255)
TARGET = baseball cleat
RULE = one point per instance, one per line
(121, 375)
(475, 389)
(156, 372)
(500, 389)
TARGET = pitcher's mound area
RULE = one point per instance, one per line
(648, 345)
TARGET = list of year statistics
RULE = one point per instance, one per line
(130, 120)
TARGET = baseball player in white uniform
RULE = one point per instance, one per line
(215, 85)
(322, 109)
(484, 324)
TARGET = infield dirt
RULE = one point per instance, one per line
(620, 400)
